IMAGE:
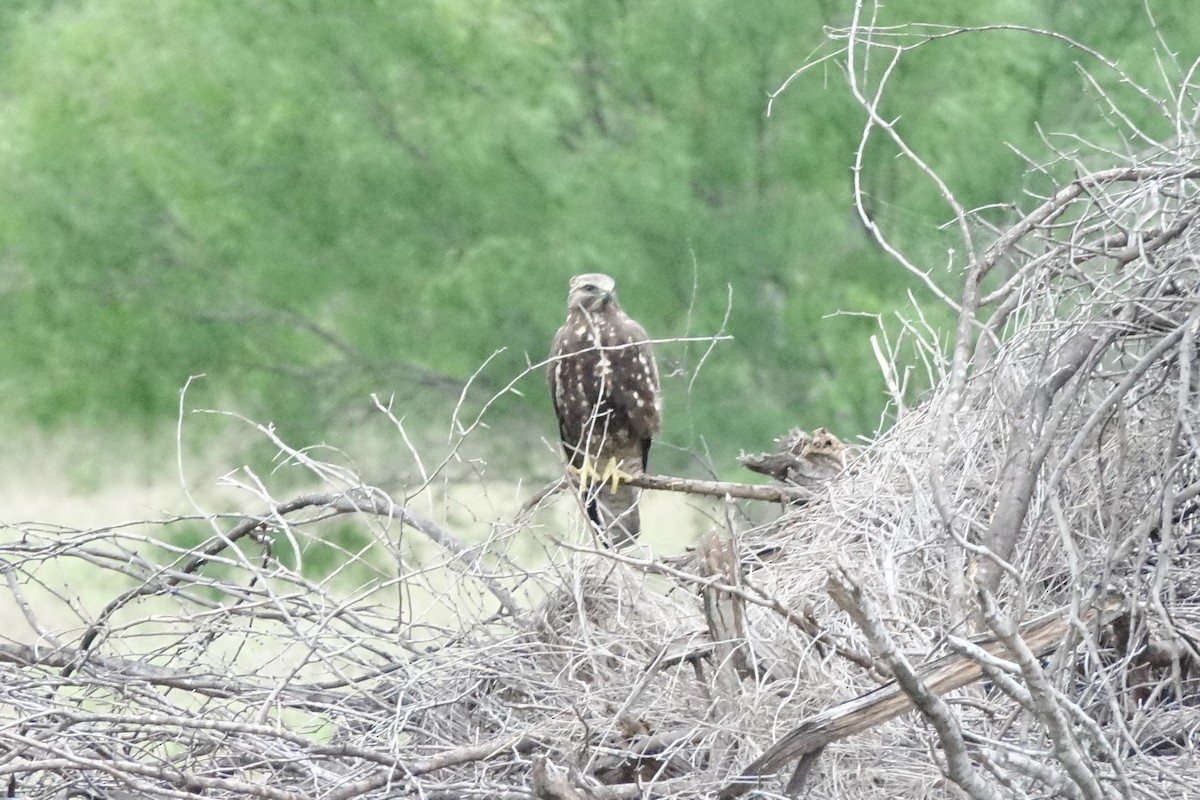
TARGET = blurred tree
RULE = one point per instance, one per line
(310, 200)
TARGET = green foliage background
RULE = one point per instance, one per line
(311, 200)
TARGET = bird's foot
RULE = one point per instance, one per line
(613, 472)
(587, 471)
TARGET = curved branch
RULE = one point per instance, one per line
(364, 500)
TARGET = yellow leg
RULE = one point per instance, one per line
(587, 471)
(613, 470)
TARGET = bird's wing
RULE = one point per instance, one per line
(642, 397)
(553, 377)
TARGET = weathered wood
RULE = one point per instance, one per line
(864, 712)
(771, 493)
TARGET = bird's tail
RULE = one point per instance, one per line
(615, 514)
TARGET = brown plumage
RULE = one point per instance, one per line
(604, 386)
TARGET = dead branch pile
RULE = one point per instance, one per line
(1019, 553)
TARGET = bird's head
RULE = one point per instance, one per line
(592, 292)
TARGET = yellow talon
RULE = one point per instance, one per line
(586, 471)
(614, 471)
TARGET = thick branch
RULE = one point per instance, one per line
(1041, 636)
(1028, 448)
(741, 491)
(770, 493)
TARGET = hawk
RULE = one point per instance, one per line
(604, 387)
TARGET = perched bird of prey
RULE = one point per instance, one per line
(604, 386)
